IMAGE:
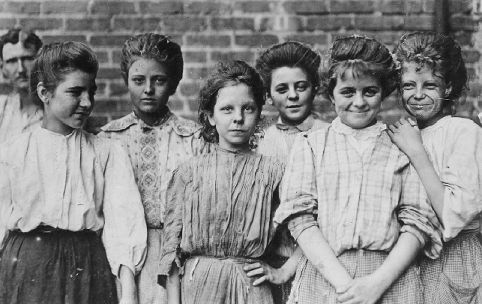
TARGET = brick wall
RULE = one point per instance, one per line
(214, 30)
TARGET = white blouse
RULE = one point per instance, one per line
(73, 182)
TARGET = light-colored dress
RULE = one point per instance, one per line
(454, 146)
(219, 217)
(155, 151)
(361, 192)
(13, 120)
(75, 182)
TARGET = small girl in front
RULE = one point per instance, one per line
(68, 199)
(220, 205)
(446, 151)
(349, 195)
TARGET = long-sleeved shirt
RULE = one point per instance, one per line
(155, 151)
(364, 195)
(14, 120)
(74, 182)
(454, 146)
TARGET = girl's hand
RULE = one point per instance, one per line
(266, 273)
(406, 135)
(364, 290)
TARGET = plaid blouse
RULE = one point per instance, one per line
(363, 198)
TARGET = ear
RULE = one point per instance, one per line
(43, 93)
(448, 90)
(211, 119)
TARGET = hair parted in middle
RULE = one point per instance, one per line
(289, 54)
(360, 56)
(157, 47)
(227, 74)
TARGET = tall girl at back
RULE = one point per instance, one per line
(349, 195)
(59, 188)
(157, 140)
(220, 205)
(446, 151)
(290, 75)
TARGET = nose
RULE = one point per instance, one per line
(238, 117)
(292, 94)
(149, 88)
(358, 100)
(21, 66)
(419, 93)
(86, 101)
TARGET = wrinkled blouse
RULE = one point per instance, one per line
(74, 182)
(454, 146)
(363, 198)
(221, 204)
(155, 151)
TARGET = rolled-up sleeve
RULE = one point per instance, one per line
(298, 189)
(173, 222)
(416, 214)
(462, 179)
(125, 231)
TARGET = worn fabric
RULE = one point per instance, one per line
(14, 120)
(74, 182)
(310, 287)
(221, 205)
(155, 151)
(362, 201)
(55, 267)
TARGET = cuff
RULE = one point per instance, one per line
(300, 223)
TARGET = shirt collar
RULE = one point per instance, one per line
(304, 126)
(368, 132)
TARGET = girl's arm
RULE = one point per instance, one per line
(370, 288)
(128, 286)
(173, 287)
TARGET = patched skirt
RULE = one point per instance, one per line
(54, 266)
(455, 277)
(309, 286)
(221, 281)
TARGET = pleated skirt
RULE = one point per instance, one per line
(455, 277)
(220, 281)
(310, 287)
(55, 267)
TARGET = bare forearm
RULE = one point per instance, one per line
(173, 287)
(289, 267)
(128, 284)
(319, 253)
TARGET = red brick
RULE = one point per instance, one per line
(267, 24)
(352, 6)
(306, 7)
(168, 8)
(101, 86)
(102, 56)
(190, 89)
(118, 89)
(475, 90)
(290, 24)
(256, 40)
(88, 24)
(105, 106)
(113, 7)
(205, 8)
(224, 56)
(320, 39)
(183, 24)
(31, 8)
(136, 24)
(219, 24)
(177, 105)
(464, 38)
(329, 23)
(471, 56)
(109, 73)
(194, 56)
(116, 56)
(58, 38)
(40, 24)
(211, 40)
(193, 104)
(7, 23)
(401, 6)
(429, 6)
(463, 22)
(197, 73)
(108, 40)
(418, 23)
(64, 7)
(379, 23)
(460, 6)
(253, 6)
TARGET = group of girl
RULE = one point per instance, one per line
(348, 212)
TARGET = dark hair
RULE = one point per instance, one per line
(226, 74)
(441, 53)
(56, 59)
(360, 56)
(289, 54)
(30, 40)
(157, 47)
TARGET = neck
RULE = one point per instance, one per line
(151, 118)
(422, 124)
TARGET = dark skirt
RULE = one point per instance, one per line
(55, 266)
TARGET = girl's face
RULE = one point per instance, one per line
(422, 93)
(292, 94)
(235, 116)
(357, 100)
(148, 85)
(69, 106)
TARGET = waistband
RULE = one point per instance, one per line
(44, 229)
